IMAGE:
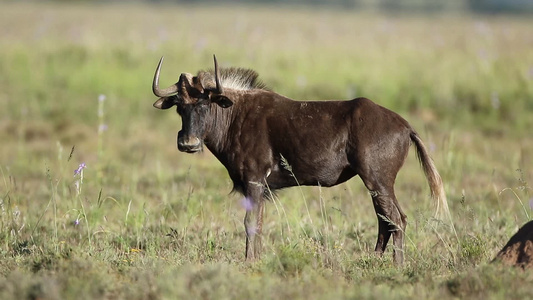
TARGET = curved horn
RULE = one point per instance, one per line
(173, 89)
(217, 77)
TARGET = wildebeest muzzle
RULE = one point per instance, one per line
(189, 144)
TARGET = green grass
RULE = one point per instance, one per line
(152, 223)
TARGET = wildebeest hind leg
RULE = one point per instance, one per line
(391, 219)
(384, 233)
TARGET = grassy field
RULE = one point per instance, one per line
(143, 221)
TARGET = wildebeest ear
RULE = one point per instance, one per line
(165, 102)
(222, 101)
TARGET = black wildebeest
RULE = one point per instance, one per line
(256, 133)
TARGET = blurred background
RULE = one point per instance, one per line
(75, 88)
(445, 62)
(478, 6)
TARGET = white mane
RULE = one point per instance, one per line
(240, 79)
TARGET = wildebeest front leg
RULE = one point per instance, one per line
(253, 221)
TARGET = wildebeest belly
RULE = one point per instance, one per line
(324, 170)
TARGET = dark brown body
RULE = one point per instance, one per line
(322, 141)
(268, 142)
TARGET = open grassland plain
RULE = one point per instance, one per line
(96, 201)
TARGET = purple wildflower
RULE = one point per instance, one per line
(531, 203)
(102, 127)
(77, 222)
(79, 169)
(247, 204)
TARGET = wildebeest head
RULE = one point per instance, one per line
(193, 96)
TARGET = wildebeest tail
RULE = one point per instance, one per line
(435, 181)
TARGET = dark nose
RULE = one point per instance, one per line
(189, 144)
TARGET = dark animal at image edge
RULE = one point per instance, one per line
(268, 142)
